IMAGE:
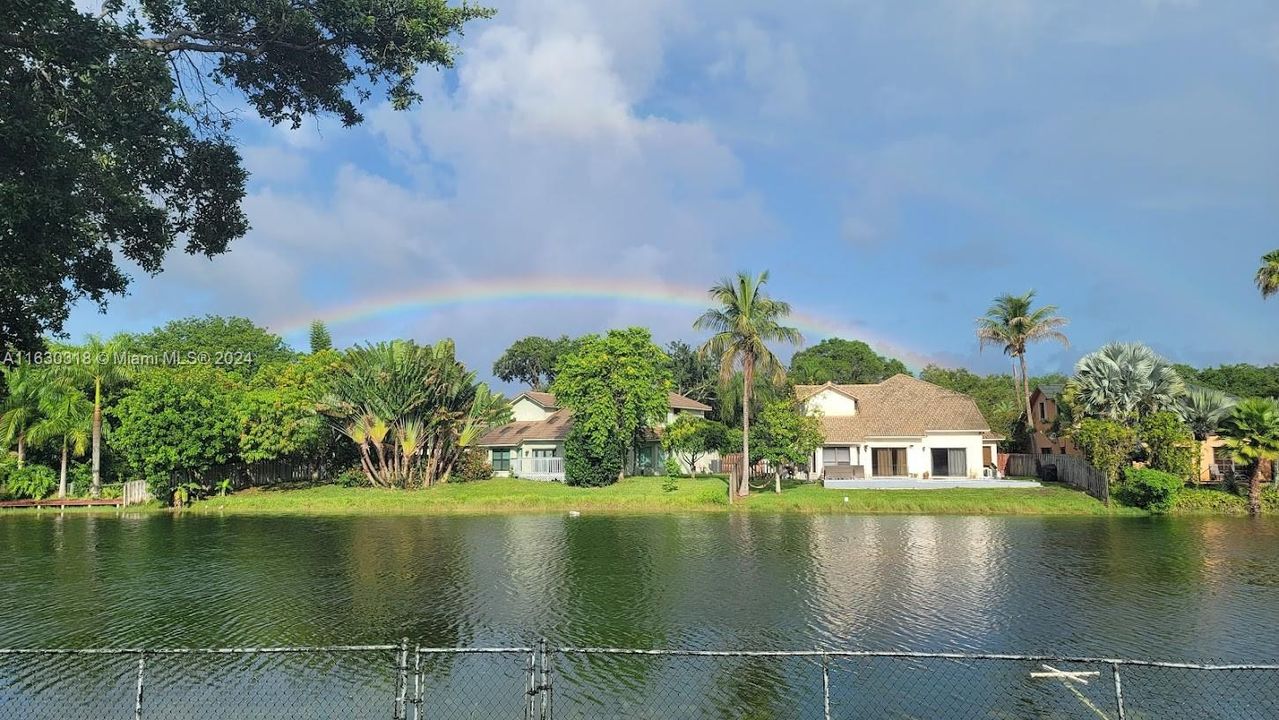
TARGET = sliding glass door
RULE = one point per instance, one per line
(889, 462)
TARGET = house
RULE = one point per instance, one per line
(1045, 437)
(899, 428)
(532, 444)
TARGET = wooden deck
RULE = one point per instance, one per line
(63, 503)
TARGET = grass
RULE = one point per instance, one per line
(646, 494)
(1210, 501)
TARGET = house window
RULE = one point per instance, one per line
(502, 459)
(1063, 449)
(836, 456)
(1043, 411)
(1046, 451)
(544, 453)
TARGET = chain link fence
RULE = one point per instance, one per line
(540, 682)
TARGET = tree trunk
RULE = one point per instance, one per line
(22, 447)
(748, 381)
(1254, 490)
(62, 478)
(95, 489)
(1021, 403)
(1025, 385)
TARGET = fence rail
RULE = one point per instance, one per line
(1070, 469)
(539, 681)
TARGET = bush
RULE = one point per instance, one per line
(1169, 444)
(1106, 444)
(31, 481)
(351, 477)
(472, 466)
(673, 468)
(584, 467)
(1154, 490)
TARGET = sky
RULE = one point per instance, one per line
(893, 165)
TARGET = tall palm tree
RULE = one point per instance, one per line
(1252, 434)
(1267, 277)
(20, 409)
(103, 365)
(744, 322)
(66, 419)
(1013, 322)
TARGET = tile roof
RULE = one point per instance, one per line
(901, 406)
(1050, 391)
(544, 399)
(680, 402)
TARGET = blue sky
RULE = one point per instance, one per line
(894, 166)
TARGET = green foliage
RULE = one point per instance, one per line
(116, 125)
(1106, 444)
(842, 361)
(1169, 444)
(1205, 409)
(31, 481)
(588, 463)
(996, 396)
(20, 404)
(1267, 277)
(695, 375)
(233, 344)
(672, 468)
(691, 438)
(1151, 489)
(1252, 434)
(473, 466)
(320, 339)
(351, 477)
(784, 435)
(616, 385)
(1240, 380)
(1124, 382)
(177, 420)
(223, 487)
(670, 485)
(278, 412)
(533, 360)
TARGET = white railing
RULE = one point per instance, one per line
(541, 468)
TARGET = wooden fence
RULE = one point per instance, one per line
(1070, 469)
(242, 475)
(135, 492)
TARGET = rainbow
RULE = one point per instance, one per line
(575, 289)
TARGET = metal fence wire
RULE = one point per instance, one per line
(539, 682)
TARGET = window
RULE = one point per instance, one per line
(502, 459)
(1046, 451)
(544, 453)
(1043, 411)
(836, 456)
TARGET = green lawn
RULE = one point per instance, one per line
(646, 494)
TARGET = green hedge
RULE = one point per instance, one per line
(1153, 490)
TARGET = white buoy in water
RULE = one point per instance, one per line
(574, 513)
(845, 498)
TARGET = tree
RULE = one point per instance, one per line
(744, 322)
(1106, 444)
(1239, 380)
(320, 338)
(1267, 277)
(695, 376)
(20, 408)
(233, 343)
(1204, 410)
(617, 385)
(1252, 434)
(278, 413)
(691, 437)
(1013, 322)
(116, 147)
(174, 421)
(532, 360)
(786, 437)
(1124, 382)
(65, 418)
(102, 365)
(997, 396)
(1169, 444)
(842, 361)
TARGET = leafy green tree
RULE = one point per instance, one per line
(744, 322)
(617, 385)
(842, 361)
(590, 464)
(1252, 434)
(20, 407)
(532, 360)
(175, 421)
(1013, 322)
(116, 125)
(320, 338)
(66, 419)
(1267, 277)
(691, 438)
(786, 437)
(1239, 380)
(278, 413)
(1106, 444)
(695, 375)
(1124, 382)
(233, 343)
(997, 396)
(1169, 444)
(102, 365)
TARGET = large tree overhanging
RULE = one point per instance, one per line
(116, 128)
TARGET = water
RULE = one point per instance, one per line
(1173, 588)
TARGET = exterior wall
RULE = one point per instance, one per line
(919, 458)
(1042, 425)
(993, 445)
(970, 442)
(672, 412)
(831, 404)
(1206, 452)
(524, 410)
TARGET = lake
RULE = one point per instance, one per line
(1162, 588)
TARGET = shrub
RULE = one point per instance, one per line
(472, 466)
(351, 477)
(1169, 444)
(584, 467)
(31, 481)
(1154, 490)
(1106, 444)
(673, 468)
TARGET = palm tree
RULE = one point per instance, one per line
(1125, 382)
(1203, 410)
(1013, 322)
(103, 365)
(66, 419)
(20, 409)
(1268, 274)
(1252, 434)
(744, 322)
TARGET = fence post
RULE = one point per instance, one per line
(530, 694)
(401, 680)
(417, 682)
(1119, 690)
(825, 686)
(137, 698)
(546, 684)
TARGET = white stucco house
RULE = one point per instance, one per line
(532, 444)
(902, 427)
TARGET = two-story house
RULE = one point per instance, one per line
(532, 444)
(1045, 436)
